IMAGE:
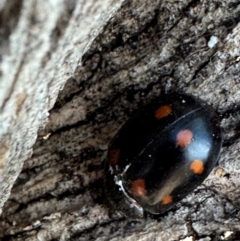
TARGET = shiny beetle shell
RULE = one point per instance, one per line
(165, 151)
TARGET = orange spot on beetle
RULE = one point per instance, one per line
(184, 138)
(163, 111)
(167, 199)
(114, 156)
(197, 166)
(138, 188)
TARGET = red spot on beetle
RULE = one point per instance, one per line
(197, 166)
(113, 156)
(184, 138)
(167, 200)
(138, 188)
(163, 111)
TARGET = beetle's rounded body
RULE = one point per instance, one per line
(165, 151)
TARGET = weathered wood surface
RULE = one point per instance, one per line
(41, 44)
(145, 49)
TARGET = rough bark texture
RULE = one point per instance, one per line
(41, 44)
(146, 48)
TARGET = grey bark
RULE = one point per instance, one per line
(41, 44)
(143, 50)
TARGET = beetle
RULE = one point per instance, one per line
(164, 151)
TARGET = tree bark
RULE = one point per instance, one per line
(41, 45)
(114, 57)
